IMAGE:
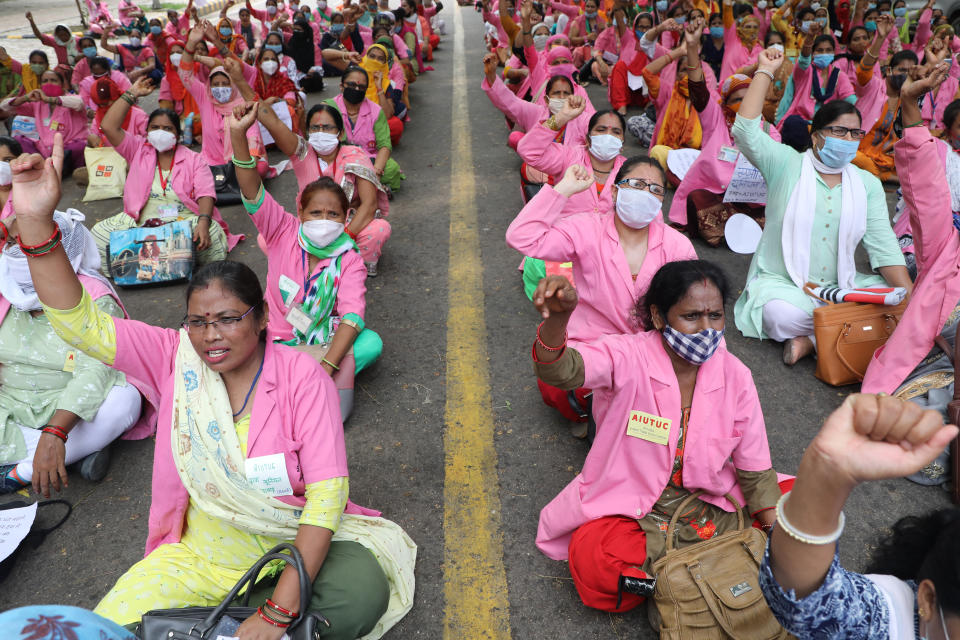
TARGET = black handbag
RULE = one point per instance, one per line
(35, 537)
(225, 183)
(195, 623)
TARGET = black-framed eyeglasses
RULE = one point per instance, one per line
(354, 85)
(325, 128)
(227, 322)
(841, 132)
(641, 184)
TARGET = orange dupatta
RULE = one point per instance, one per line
(681, 123)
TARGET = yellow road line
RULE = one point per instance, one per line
(475, 583)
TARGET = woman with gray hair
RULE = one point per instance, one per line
(57, 405)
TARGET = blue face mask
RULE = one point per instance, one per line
(90, 52)
(823, 22)
(838, 152)
(226, 32)
(662, 5)
(870, 25)
(681, 19)
(155, 30)
(336, 29)
(805, 26)
(276, 48)
(716, 32)
(822, 60)
(639, 33)
(900, 12)
(779, 3)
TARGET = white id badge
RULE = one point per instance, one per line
(288, 289)
(299, 319)
(269, 475)
(728, 154)
(169, 211)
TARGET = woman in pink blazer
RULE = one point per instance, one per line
(675, 413)
(165, 180)
(600, 153)
(614, 255)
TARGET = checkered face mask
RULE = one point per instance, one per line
(695, 348)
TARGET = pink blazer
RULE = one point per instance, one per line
(279, 231)
(190, 178)
(69, 119)
(308, 169)
(137, 125)
(932, 110)
(538, 149)
(870, 100)
(609, 42)
(803, 102)
(708, 171)
(133, 60)
(361, 132)
(216, 148)
(735, 54)
(937, 248)
(528, 115)
(624, 475)
(301, 421)
(608, 292)
(668, 76)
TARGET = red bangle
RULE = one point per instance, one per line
(53, 236)
(548, 347)
(269, 620)
(539, 361)
(55, 431)
(273, 605)
(6, 232)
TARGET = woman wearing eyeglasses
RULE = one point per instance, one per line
(323, 153)
(676, 413)
(315, 277)
(819, 209)
(366, 125)
(614, 254)
(249, 447)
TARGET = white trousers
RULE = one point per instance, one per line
(783, 321)
(119, 411)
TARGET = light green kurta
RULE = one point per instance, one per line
(40, 373)
(767, 278)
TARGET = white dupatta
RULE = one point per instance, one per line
(798, 221)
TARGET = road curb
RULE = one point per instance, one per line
(210, 7)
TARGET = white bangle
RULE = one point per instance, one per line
(765, 72)
(806, 538)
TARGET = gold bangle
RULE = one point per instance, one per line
(552, 123)
(350, 323)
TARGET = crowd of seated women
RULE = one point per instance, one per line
(836, 105)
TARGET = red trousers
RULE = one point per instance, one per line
(560, 400)
(620, 93)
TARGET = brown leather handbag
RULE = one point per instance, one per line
(711, 590)
(953, 409)
(848, 333)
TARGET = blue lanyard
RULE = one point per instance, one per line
(308, 280)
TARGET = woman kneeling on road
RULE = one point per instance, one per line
(675, 412)
(249, 449)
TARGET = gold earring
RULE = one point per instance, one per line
(922, 613)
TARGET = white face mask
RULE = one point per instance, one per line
(411, 19)
(814, 5)
(269, 67)
(175, 59)
(322, 5)
(540, 42)
(762, 4)
(6, 177)
(221, 94)
(636, 208)
(161, 140)
(134, 42)
(605, 146)
(557, 105)
(322, 232)
(323, 142)
(271, 10)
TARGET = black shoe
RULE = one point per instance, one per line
(638, 586)
(94, 467)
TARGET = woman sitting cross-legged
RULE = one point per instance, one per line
(166, 181)
(315, 274)
(819, 209)
(676, 413)
(57, 405)
(249, 448)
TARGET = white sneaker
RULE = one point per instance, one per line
(371, 269)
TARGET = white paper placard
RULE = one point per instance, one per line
(283, 112)
(679, 161)
(742, 234)
(269, 475)
(746, 184)
(14, 527)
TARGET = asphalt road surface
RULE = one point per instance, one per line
(449, 437)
